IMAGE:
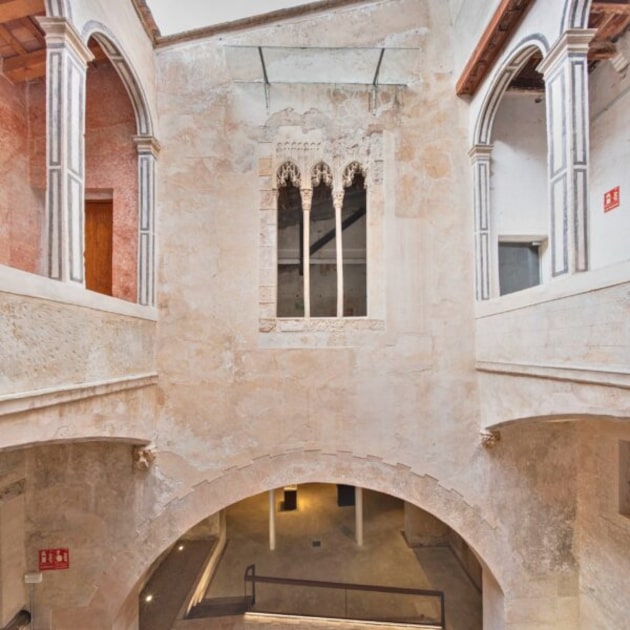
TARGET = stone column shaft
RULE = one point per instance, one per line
(66, 58)
(480, 158)
(148, 149)
(565, 69)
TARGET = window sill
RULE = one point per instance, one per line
(316, 332)
(32, 285)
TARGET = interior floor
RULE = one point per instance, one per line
(316, 541)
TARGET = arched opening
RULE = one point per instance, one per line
(315, 539)
(519, 215)
(111, 185)
(23, 138)
(290, 287)
(323, 246)
(354, 226)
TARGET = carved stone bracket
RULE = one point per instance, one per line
(143, 457)
(489, 439)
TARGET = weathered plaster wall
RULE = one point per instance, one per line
(111, 163)
(13, 594)
(22, 189)
(586, 329)
(603, 532)
(104, 500)
(47, 344)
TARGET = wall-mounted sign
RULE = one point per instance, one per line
(54, 559)
(611, 199)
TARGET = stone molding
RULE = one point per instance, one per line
(591, 375)
(40, 398)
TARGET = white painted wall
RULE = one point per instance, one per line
(609, 232)
(518, 183)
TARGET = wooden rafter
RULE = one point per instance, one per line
(494, 38)
(16, 9)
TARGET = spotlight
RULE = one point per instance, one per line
(148, 598)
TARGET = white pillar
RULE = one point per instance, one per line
(565, 69)
(272, 519)
(148, 148)
(66, 65)
(307, 200)
(480, 159)
(338, 196)
(358, 515)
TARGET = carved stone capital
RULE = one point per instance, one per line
(489, 439)
(143, 457)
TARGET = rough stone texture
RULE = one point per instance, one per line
(394, 403)
(46, 344)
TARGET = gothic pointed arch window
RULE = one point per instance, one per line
(290, 288)
(322, 244)
(354, 228)
(321, 241)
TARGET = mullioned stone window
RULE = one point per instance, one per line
(321, 222)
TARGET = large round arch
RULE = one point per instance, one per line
(212, 495)
(516, 60)
(147, 150)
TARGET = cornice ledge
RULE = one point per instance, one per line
(591, 375)
(39, 398)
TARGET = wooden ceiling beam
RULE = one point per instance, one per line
(12, 41)
(494, 38)
(610, 7)
(16, 9)
(25, 67)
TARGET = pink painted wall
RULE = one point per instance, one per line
(22, 162)
(112, 164)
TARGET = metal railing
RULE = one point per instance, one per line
(341, 600)
(21, 620)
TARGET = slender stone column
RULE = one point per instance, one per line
(358, 515)
(307, 200)
(148, 149)
(272, 520)
(338, 196)
(66, 58)
(565, 69)
(480, 156)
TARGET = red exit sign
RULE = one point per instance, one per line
(612, 199)
(54, 559)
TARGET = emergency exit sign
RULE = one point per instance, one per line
(611, 199)
(54, 559)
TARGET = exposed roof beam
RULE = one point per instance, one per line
(25, 67)
(16, 9)
(500, 28)
(610, 7)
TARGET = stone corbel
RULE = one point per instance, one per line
(143, 457)
(489, 439)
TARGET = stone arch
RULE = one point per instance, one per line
(237, 483)
(517, 58)
(125, 71)
(288, 171)
(147, 150)
(485, 261)
(575, 14)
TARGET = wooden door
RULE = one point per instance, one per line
(99, 226)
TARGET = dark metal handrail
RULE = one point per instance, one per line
(251, 577)
(21, 620)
